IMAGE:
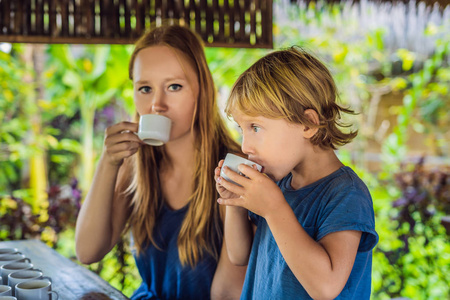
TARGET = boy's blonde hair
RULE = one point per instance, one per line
(285, 83)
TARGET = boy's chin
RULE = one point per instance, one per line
(273, 177)
(276, 177)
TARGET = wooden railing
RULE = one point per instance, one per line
(225, 23)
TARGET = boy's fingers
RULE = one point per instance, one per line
(235, 176)
(221, 163)
(230, 201)
(217, 172)
(230, 186)
(248, 171)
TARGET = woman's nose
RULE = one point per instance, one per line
(158, 103)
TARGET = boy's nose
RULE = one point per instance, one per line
(246, 147)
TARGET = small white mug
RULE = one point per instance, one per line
(5, 290)
(24, 275)
(232, 161)
(8, 251)
(7, 269)
(35, 290)
(9, 258)
(154, 129)
(7, 298)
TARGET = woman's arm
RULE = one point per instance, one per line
(228, 279)
(105, 211)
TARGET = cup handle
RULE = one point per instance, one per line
(33, 269)
(46, 277)
(55, 293)
(26, 258)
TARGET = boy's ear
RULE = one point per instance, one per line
(309, 132)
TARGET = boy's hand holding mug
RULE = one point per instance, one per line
(241, 184)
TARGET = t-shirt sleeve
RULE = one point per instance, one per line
(253, 217)
(350, 209)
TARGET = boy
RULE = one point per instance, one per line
(314, 216)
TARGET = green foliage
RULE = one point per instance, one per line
(13, 119)
(412, 258)
(88, 77)
(425, 104)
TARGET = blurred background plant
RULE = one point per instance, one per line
(390, 62)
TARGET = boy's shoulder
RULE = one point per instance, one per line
(343, 177)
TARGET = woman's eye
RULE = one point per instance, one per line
(239, 128)
(174, 87)
(145, 89)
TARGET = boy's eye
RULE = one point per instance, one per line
(255, 128)
(145, 89)
(174, 87)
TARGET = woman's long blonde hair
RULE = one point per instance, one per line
(285, 83)
(202, 228)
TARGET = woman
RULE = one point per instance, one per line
(165, 195)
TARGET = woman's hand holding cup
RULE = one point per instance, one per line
(121, 142)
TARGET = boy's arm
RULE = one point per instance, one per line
(323, 267)
(238, 235)
(238, 230)
(228, 278)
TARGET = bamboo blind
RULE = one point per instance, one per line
(224, 23)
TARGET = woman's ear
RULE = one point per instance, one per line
(309, 132)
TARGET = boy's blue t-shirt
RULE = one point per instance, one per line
(163, 275)
(337, 202)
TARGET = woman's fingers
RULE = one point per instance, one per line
(121, 127)
(121, 141)
(121, 138)
(121, 147)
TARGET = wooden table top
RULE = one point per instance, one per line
(70, 280)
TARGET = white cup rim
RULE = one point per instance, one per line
(4, 288)
(36, 272)
(5, 266)
(23, 284)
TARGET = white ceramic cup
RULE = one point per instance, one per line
(40, 289)
(154, 129)
(24, 275)
(9, 258)
(7, 298)
(8, 251)
(233, 161)
(7, 269)
(5, 290)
